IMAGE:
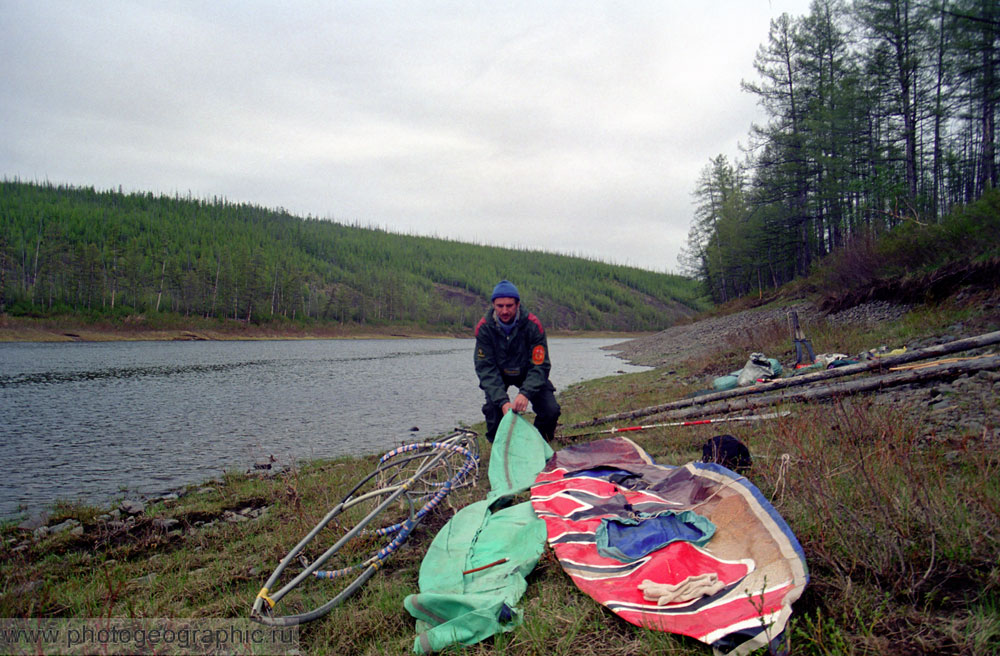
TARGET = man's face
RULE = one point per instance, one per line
(506, 308)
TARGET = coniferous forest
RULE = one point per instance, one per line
(879, 113)
(108, 255)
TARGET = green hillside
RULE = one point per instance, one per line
(106, 255)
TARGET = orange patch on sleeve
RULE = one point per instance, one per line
(538, 354)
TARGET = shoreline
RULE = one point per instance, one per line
(20, 330)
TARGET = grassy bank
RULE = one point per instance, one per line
(901, 531)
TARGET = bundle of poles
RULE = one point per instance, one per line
(696, 422)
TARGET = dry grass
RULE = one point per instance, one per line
(901, 535)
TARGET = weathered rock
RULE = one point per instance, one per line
(70, 525)
(144, 580)
(28, 587)
(133, 507)
(165, 523)
(35, 522)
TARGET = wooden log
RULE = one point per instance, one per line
(879, 364)
(871, 383)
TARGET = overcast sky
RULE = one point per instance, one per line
(575, 127)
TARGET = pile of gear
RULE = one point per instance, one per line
(758, 368)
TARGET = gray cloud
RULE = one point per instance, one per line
(564, 126)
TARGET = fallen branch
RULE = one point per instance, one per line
(950, 370)
(882, 364)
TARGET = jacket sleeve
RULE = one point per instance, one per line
(539, 364)
(487, 369)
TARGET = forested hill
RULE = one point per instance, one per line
(109, 255)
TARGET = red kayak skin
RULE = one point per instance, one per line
(753, 556)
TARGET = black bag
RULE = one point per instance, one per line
(727, 451)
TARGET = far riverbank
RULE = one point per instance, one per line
(26, 329)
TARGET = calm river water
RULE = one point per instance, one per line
(96, 422)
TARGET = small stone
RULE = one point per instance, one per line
(133, 507)
(972, 426)
(70, 525)
(26, 588)
(145, 580)
(254, 513)
(165, 523)
(33, 523)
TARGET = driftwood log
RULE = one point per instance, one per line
(872, 383)
(883, 364)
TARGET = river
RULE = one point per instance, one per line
(95, 422)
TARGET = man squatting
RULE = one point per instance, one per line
(511, 349)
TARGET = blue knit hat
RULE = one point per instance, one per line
(505, 289)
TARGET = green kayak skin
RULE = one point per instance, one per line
(474, 572)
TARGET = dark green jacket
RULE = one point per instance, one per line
(521, 359)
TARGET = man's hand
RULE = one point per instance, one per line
(519, 405)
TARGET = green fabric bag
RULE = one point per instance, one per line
(457, 605)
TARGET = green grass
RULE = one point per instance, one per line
(901, 534)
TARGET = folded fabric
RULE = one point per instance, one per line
(693, 587)
(627, 539)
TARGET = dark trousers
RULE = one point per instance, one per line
(544, 405)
